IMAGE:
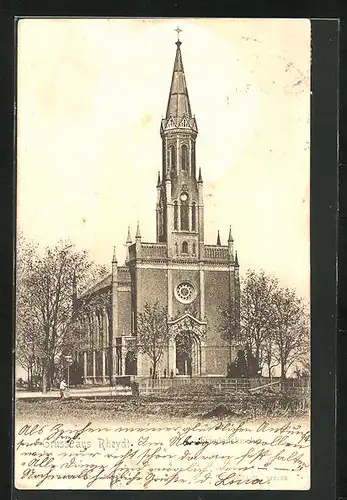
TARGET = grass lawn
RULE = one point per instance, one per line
(239, 405)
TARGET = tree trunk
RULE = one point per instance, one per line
(52, 373)
(257, 357)
(44, 379)
(283, 376)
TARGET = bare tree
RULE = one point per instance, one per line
(153, 334)
(45, 312)
(229, 326)
(268, 352)
(257, 312)
(274, 323)
(291, 329)
(28, 352)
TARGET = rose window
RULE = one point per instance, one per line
(185, 292)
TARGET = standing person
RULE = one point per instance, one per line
(62, 389)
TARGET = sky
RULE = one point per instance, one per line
(91, 95)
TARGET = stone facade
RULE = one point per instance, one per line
(192, 280)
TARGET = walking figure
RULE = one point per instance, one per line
(62, 389)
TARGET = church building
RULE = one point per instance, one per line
(192, 280)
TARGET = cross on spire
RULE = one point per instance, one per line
(178, 33)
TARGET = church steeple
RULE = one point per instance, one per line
(180, 194)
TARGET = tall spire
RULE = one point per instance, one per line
(138, 232)
(178, 104)
(178, 111)
(218, 239)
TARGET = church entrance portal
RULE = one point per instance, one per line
(187, 354)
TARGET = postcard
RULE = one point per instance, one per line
(163, 254)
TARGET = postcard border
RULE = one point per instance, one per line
(323, 280)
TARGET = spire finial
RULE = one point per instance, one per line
(178, 30)
(158, 179)
(114, 258)
(138, 232)
(236, 260)
(218, 239)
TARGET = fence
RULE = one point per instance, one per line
(159, 386)
(219, 385)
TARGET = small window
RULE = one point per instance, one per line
(194, 249)
(185, 247)
(184, 214)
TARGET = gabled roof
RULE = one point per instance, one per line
(123, 278)
(104, 283)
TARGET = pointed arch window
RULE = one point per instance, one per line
(184, 157)
(172, 158)
(193, 216)
(175, 215)
(185, 247)
(184, 212)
